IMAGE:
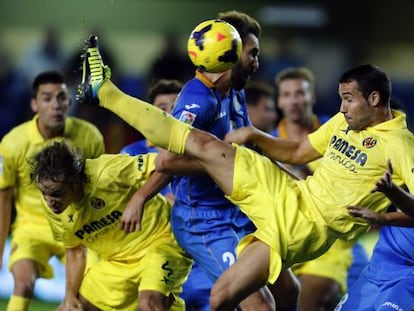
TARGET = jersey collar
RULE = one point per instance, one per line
(37, 137)
(203, 78)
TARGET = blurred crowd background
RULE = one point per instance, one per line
(144, 40)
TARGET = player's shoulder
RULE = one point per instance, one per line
(195, 87)
(18, 136)
(81, 123)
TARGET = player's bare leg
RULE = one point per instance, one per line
(247, 275)
(24, 273)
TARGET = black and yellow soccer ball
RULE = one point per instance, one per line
(214, 46)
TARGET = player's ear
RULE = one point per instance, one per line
(374, 98)
(33, 105)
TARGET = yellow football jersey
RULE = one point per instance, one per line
(21, 144)
(95, 220)
(353, 162)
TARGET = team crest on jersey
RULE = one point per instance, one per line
(369, 142)
(97, 203)
(187, 117)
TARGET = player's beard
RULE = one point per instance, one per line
(240, 76)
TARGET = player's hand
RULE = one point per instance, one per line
(369, 215)
(70, 304)
(240, 136)
(132, 215)
(385, 184)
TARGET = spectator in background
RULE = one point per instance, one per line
(284, 56)
(12, 108)
(260, 98)
(171, 63)
(47, 54)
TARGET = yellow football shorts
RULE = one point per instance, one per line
(334, 264)
(35, 242)
(114, 285)
(285, 221)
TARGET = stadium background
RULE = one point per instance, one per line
(327, 36)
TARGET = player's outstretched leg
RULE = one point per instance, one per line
(159, 127)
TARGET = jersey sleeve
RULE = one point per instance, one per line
(401, 154)
(8, 166)
(131, 171)
(239, 108)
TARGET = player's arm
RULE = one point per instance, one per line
(392, 219)
(5, 217)
(170, 163)
(398, 196)
(278, 149)
(75, 268)
(133, 213)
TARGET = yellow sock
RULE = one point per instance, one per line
(18, 303)
(156, 125)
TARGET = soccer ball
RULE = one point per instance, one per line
(214, 46)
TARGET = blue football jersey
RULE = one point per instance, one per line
(207, 109)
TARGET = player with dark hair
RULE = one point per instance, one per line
(32, 240)
(144, 269)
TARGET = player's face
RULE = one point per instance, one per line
(57, 194)
(247, 64)
(357, 110)
(165, 102)
(51, 104)
(295, 99)
(263, 114)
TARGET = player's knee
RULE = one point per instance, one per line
(24, 287)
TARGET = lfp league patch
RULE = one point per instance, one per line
(187, 117)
